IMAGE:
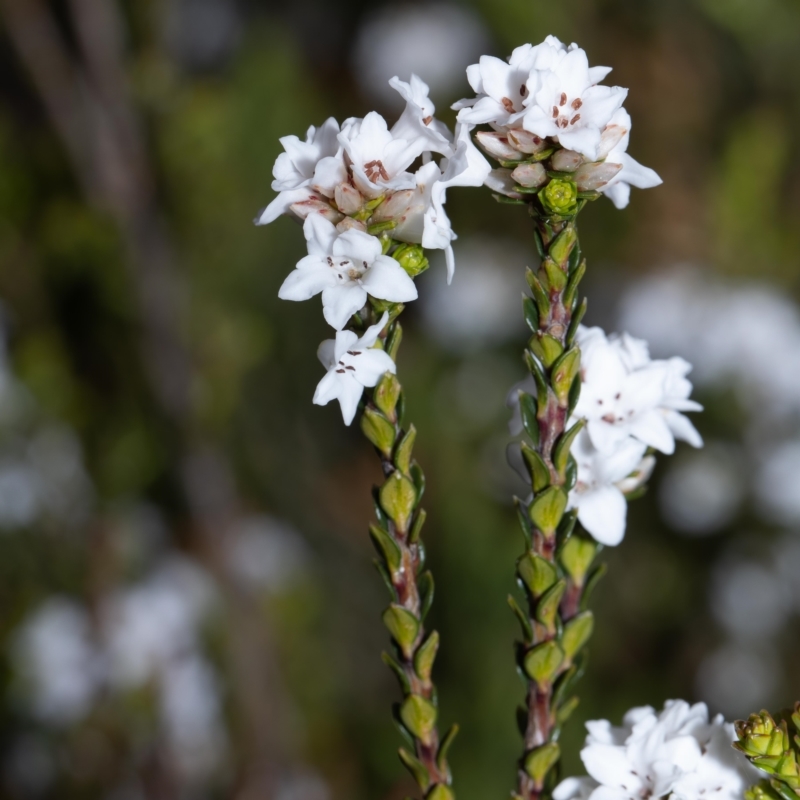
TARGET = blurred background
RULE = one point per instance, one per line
(188, 607)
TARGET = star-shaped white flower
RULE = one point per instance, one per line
(625, 394)
(307, 173)
(613, 148)
(345, 267)
(418, 120)
(603, 480)
(352, 363)
(566, 104)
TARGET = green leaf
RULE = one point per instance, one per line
(574, 395)
(415, 767)
(567, 526)
(537, 469)
(570, 293)
(403, 626)
(591, 583)
(547, 509)
(540, 296)
(402, 458)
(537, 573)
(527, 407)
(381, 227)
(418, 476)
(419, 716)
(576, 633)
(524, 521)
(426, 655)
(546, 348)
(556, 276)
(561, 452)
(378, 430)
(565, 712)
(563, 684)
(398, 497)
(561, 248)
(577, 555)
(386, 547)
(565, 370)
(571, 474)
(540, 761)
(440, 792)
(444, 748)
(416, 528)
(527, 630)
(387, 578)
(386, 393)
(577, 318)
(530, 313)
(398, 670)
(547, 608)
(542, 662)
(535, 368)
(425, 586)
(537, 238)
(392, 344)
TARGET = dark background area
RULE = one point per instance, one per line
(188, 607)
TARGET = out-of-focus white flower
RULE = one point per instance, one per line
(677, 752)
(777, 483)
(346, 268)
(306, 170)
(618, 189)
(624, 394)
(60, 666)
(352, 364)
(435, 41)
(603, 479)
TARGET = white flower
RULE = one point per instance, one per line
(417, 119)
(676, 752)
(616, 137)
(625, 394)
(566, 104)
(466, 167)
(352, 364)
(346, 268)
(603, 480)
(307, 173)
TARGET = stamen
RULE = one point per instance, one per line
(523, 90)
(340, 371)
(349, 367)
(427, 120)
(555, 112)
(330, 261)
(563, 101)
(574, 119)
(577, 103)
(508, 104)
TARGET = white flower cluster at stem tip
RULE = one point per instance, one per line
(677, 753)
(550, 91)
(631, 404)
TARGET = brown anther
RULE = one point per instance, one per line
(574, 119)
(508, 104)
(576, 103)
(563, 122)
(375, 170)
(563, 100)
(330, 261)
(343, 263)
(555, 112)
(365, 264)
(523, 90)
(349, 367)
(353, 353)
(340, 371)
(427, 120)
(610, 418)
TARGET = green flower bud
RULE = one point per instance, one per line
(761, 791)
(411, 258)
(760, 735)
(559, 197)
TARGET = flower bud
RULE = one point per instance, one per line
(526, 142)
(348, 198)
(411, 258)
(395, 206)
(500, 180)
(496, 144)
(760, 735)
(591, 177)
(559, 197)
(530, 175)
(315, 205)
(610, 138)
(566, 161)
(350, 224)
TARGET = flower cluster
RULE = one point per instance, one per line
(364, 214)
(678, 753)
(547, 98)
(631, 405)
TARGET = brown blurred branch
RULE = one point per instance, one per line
(91, 108)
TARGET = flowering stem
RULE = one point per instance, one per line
(554, 569)
(401, 562)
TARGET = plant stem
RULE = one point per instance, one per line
(554, 567)
(401, 562)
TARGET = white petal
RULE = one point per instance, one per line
(387, 280)
(326, 353)
(320, 235)
(281, 205)
(371, 366)
(360, 247)
(341, 302)
(609, 765)
(349, 395)
(327, 389)
(584, 140)
(303, 284)
(683, 429)
(450, 260)
(652, 429)
(329, 173)
(619, 194)
(371, 334)
(603, 512)
(637, 174)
